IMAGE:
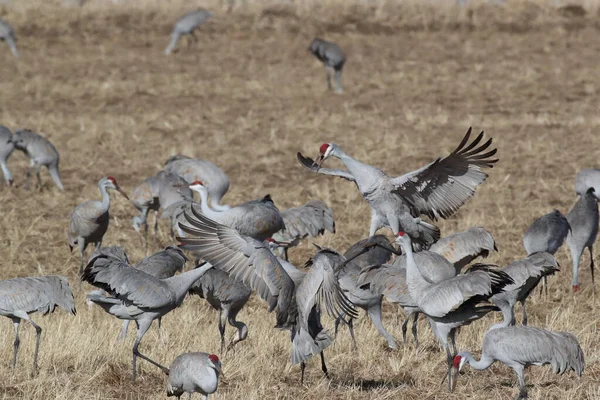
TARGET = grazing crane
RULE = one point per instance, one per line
(7, 34)
(451, 303)
(311, 219)
(20, 297)
(436, 190)
(161, 265)
(259, 219)
(298, 301)
(40, 152)
(194, 373)
(213, 177)
(186, 25)
(136, 295)
(583, 219)
(526, 274)
(89, 220)
(228, 296)
(6, 148)
(333, 58)
(521, 346)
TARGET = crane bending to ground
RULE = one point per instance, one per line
(89, 220)
(6, 148)
(20, 297)
(333, 58)
(41, 153)
(437, 190)
(136, 295)
(194, 373)
(521, 346)
(7, 34)
(186, 25)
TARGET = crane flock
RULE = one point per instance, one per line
(240, 249)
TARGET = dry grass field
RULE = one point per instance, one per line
(248, 96)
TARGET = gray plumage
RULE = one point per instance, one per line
(212, 177)
(40, 152)
(186, 25)
(311, 219)
(526, 274)
(583, 219)
(20, 297)
(519, 347)
(332, 57)
(588, 178)
(437, 190)
(461, 248)
(7, 34)
(161, 265)
(89, 220)
(144, 198)
(194, 373)
(6, 148)
(547, 233)
(135, 295)
(226, 295)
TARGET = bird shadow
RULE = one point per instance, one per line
(375, 384)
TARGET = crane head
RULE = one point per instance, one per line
(324, 153)
(457, 364)
(111, 183)
(214, 362)
(197, 185)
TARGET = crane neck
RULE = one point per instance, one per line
(206, 210)
(105, 197)
(482, 364)
(180, 284)
(216, 205)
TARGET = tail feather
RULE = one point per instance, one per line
(53, 169)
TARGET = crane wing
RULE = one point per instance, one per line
(440, 188)
(310, 164)
(462, 248)
(388, 281)
(311, 219)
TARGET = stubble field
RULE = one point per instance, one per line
(247, 97)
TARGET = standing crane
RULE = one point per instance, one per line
(144, 198)
(436, 190)
(228, 296)
(40, 152)
(194, 373)
(451, 303)
(7, 34)
(333, 58)
(20, 297)
(186, 25)
(191, 170)
(161, 265)
(89, 220)
(135, 295)
(583, 219)
(518, 347)
(6, 148)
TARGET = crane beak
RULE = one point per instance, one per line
(454, 373)
(122, 192)
(319, 161)
(219, 370)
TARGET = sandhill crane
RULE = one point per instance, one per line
(583, 219)
(6, 148)
(451, 303)
(588, 178)
(7, 34)
(436, 190)
(194, 373)
(213, 177)
(332, 57)
(521, 346)
(161, 265)
(228, 296)
(259, 219)
(89, 220)
(298, 302)
(526, 274)
(136, 295)
(144, 197)
(311, 219)
(40, 152)
(186, 25)
(20, 297)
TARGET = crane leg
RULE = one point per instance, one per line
(519, 370)
(302, 368)
(328, 73)
(449, 359)
(16, 322)
(28, 175)
(222, 329)
(405, 328)
(323, 366)
(38, 334)
(375, 315)
(338, 81)
(350, 325)
(242, 329)
(123, 333)
(39, 179)
(81, 245)
(524, 312)
(591, 249)
(141, 331)
(414, 328)
(155, 229)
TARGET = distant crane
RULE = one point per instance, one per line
(6, 148)
(583, 219)
(161, 265)
(40, 152)
(521, 346)
(20, 297)
(228, 296)
(7, 34)
(194, 373)
(136, 295)
(89, 220)
(186, 25)
(436, 190)
(333, 58)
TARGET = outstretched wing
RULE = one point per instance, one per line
(310, 164)
(462, 248)
(442, 187)
(311, 219)
(388, 281)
